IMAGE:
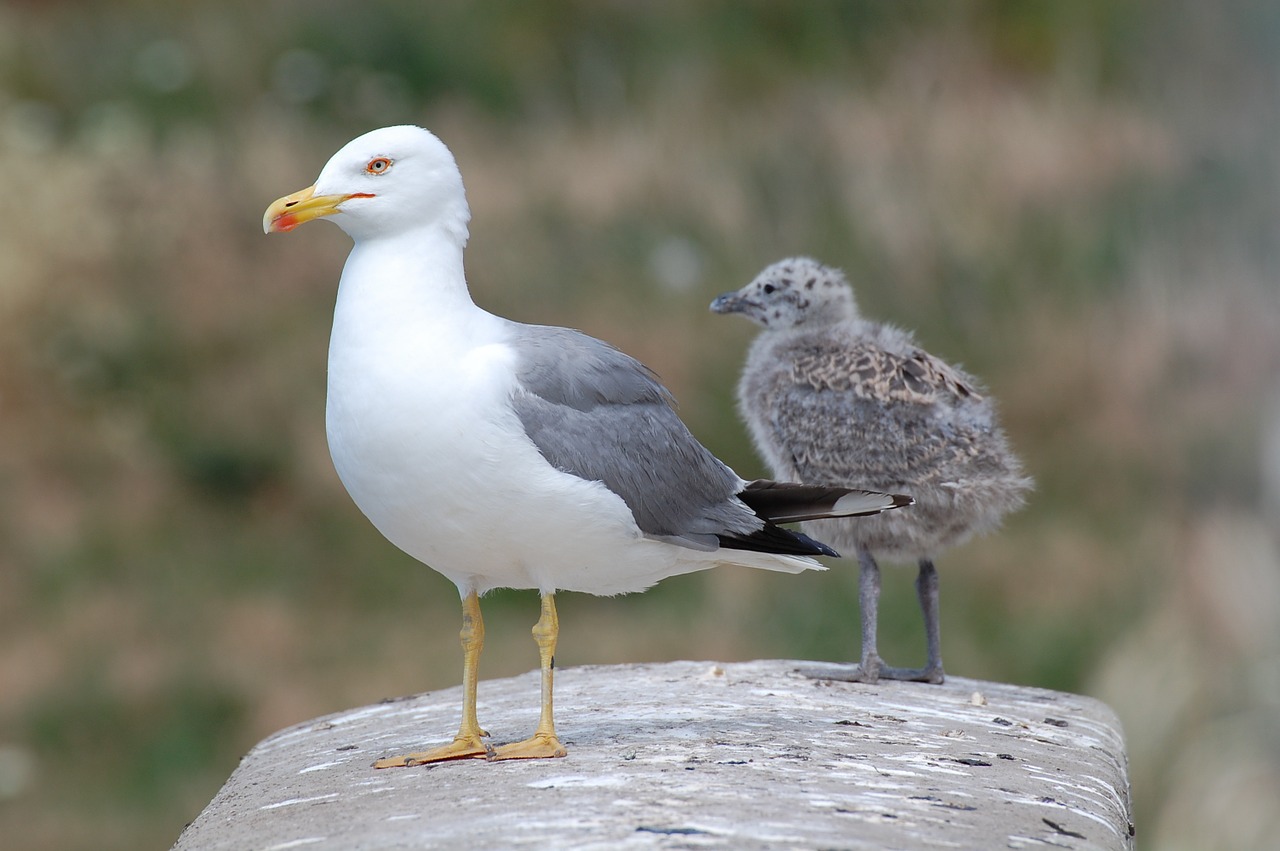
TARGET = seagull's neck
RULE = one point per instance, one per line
(411, 277)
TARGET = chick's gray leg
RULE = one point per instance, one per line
(869, 604)
(927, 593)
(869, 671)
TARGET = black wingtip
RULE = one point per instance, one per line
(822, 549)
(777, 540)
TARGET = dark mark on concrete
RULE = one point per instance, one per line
(1062, 831)
(964, 760)
(671, 831)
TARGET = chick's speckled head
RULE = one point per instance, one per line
(793, 293)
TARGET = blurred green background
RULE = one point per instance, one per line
(1078, 201)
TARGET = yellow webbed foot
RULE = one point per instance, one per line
(538, 746)
(462, 747)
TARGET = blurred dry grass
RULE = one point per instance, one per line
(1080, 206)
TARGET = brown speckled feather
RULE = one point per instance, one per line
(831, 398)
(862, 367)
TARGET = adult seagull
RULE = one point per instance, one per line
(507, 455)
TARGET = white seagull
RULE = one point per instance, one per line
(506, 455)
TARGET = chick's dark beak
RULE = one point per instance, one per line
(731, 302)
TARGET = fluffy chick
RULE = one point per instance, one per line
(830, 397)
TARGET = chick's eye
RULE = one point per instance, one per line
(769, 288)
(378, 165)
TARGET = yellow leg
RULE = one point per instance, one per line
(468, 744)
(543, 743)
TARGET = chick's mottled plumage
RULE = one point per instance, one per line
(831, 397)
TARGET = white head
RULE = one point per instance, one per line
(383, 183)
(793, 293)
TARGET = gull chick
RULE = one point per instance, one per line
(506, 455)
(832, 397)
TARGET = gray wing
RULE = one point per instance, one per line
(880, 419)
(599, 414)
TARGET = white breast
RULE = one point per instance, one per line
(424, 439)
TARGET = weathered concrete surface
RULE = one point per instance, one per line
(695, 755)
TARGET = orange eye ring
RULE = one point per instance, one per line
(378, 165)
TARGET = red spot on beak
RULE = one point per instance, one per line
(285, 223)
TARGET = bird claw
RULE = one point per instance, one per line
(872, 670)
(459, 748)
(539, 746)
(933, 675)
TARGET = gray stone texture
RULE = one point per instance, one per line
(695, 755)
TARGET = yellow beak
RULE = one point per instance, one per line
(288, 212)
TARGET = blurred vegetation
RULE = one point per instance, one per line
(1078, 201)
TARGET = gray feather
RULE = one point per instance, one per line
(599, 414)
(567, 367)
(832, 398)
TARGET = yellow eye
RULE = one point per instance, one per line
(378, 165)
